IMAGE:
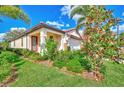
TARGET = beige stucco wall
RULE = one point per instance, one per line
(28, 42)
(18, 43)
(24, 42)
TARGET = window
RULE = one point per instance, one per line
(22, 42)
(51, 37)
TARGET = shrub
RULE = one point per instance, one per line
(71, 59)
(85, 62)
(62, 58)
(1, 49)
(59, 64)
(15, 50)
(28, 54)
(44, 57)
(65, 57)
(7, 60)
(20, 51)
(74, 65)
(9, 57)
(51, 47)
(5, 70)
(5, 65)
(35, 56)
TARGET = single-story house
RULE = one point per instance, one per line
(34, 38)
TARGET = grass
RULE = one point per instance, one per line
(35, 75)
(114, 74)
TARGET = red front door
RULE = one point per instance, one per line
(34, 43)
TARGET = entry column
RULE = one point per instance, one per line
(43, 36)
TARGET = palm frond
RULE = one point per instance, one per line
(76, 10)
(79, 26)
(13, 12)
(80, 10)
(80, 20)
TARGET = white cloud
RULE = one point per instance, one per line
(1, 36)
(19, 29)
(66, 11)
(123, 14)
(54, 23)
(114, 29)
(121, 28)
(76, 17)
(67, 25)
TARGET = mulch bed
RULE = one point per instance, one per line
(85, 74)
(46, 63)
(11, 78)
(93, 75)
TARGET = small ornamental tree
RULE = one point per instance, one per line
(98, 40)
(51, 48)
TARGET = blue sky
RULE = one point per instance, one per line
(57, 15)
(37, 14)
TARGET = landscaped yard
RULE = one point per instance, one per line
(37, 75)
(32, 74)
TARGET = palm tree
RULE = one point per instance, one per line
(81, 10)
(13, 12)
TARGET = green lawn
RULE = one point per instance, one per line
(35, 75)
